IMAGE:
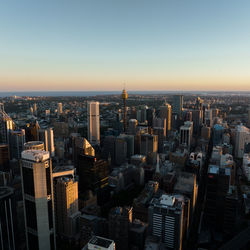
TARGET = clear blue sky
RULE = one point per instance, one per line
(100, 44)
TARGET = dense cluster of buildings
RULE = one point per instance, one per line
(169, 176)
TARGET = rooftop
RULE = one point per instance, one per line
(101, 242)
(35, 155)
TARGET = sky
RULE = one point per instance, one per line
(102, 45)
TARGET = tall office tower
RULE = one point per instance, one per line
(242, 137)
(36, 175)
(59, 108)
(141, 113)
(101, 243)
(93, 123)
(148, 144)
(208, 117)
(35, 109)
(132, 125)
(165, 215)
(187, 115)
(197, 120)
(7, 219)
(177, 104)
(205, 133)
(17, 140)
(215, 113)
(130, 139)
(120, 151)
(246, 166)
(199, 103)
(218, 131)
(93, 173)
(66, 204)
(186, 134)
(124, 98)
(165, 112)
(218, 181)
(160, 123)
(47, 136)
(248, 122)
(6, 125)
(35, 145)
(32, 131)
(4, 157)
(61, 172)
(109, 148)
(161, 133)
(119, 222)
(150, 115)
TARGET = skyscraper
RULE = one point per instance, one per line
(93, 123)
(36, 175)
(177, 104)
(242, 137)
(119, 222)
(124, 98)
(59, 108)
(165, 113)
(66, 204)
(17, 140)
(47, 136)
(186, 134)
(166, 220)
(6, 125)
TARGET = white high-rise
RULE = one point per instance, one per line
(47, 136)
(59, 108)
(36, 175)
(186, 134)
(93, 123)
(242, 137)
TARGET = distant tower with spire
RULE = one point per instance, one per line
(124, 98)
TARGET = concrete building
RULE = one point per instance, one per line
(35, 145)
(93, 122)
(66, 204)
(7, 219)
(166, 220)
(148, 144)
(165, 113)
(186, 134)
(132, 125)
(6, 125)
(246, 165)
(119, 223)
(177, 104)
(100, 243)
(242, 137)
(47, 136)
(59, 108)
(17, 140)
(36, 175)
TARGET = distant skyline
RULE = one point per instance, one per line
(98, 45)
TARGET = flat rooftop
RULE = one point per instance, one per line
(101, 242)
(35, 155)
